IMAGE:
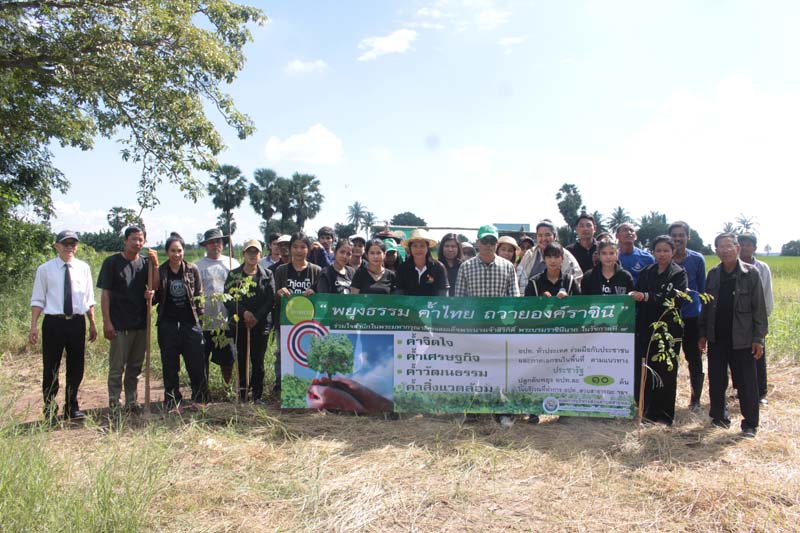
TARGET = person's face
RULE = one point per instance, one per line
(134, 243)
(389, 258)
(663, 254)
(626, 234)
(326, 241)
(487, 247)
(299, 251)
(450, 250)
(727, 250)
(544, 236)
(251, 256)
(468, 252)
(585, 229)
(608, 256)
(284, 250)
(376, 256)
(506, 251)
(358, 248)
(680, 237)
(213, 248)
(66, 249)
(525, 245)
(553, 262)
(419, 249)
(343, 254)
(175, 253)
(747, 249)
(275, 248)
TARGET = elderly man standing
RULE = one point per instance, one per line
(214, 269)
(123, 278)
(63, 291)
(733, 326)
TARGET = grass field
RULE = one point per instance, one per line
(238, 468)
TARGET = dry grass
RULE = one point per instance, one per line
(240, 469)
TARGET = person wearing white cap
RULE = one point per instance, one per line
(63, 291)
(420, 274)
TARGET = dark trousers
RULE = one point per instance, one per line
(761, 370)
(60, 335)
(174, 339)
(659, 394)
(221, 355)
(694, 357)
(258, 348)
(743, 368)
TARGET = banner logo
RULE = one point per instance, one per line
(296, 334)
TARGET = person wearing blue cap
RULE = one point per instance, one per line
(63, 291)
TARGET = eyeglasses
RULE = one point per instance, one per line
(69, 244)
(488, 240)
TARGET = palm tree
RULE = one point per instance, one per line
(355, 214)
(746, 224)
(367, 221)
(729, 228)
(228, 189)
(306, 200)
(618, 217)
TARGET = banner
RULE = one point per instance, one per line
(363, 353)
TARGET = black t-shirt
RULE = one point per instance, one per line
(332, 281)
(585, 257)
(431, 283)
(298, 281)
(177, 305)
(540, 283)
(594, 282)
(724, 317)
(126, 280)
(366, 284)
(452, 275)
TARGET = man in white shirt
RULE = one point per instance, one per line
(64, 291)
(214, 269)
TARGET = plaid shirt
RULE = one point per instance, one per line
(495, 279)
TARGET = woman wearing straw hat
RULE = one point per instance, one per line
(451, 257)
(420, 274)
(507, 249)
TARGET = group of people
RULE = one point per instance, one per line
(221, 311)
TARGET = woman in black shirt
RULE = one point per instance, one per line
(375, 278)
(451, 257)
(178, 327)
(420, 274)
(337, 278)
(607, 277)
(552, 282)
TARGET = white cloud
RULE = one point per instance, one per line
(490, 19)
(299, 66)
(473, 157)
(461, 15)
(317, 145)
(511, 41)
(396, 42)
(69, 215)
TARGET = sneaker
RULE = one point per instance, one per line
(533, 419)
(470, 418)
(51, 414)
(134, 408)
(694, 406)
(504, 420)
(76, 414)
(260, 402)
(723, 423)
(764, 402)
(748, 433)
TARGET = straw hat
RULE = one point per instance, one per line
(420, 234)
(505, 239)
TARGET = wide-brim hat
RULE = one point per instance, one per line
(214, 233)
(505, 239)
(420, 234)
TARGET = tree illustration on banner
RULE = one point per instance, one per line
(331, 354)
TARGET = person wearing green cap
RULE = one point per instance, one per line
(487, 274)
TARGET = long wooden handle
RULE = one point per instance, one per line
(148, 338)
(246, 362)
(642, 383)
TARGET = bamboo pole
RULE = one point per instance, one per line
(148, 340)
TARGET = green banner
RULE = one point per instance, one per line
(571, 356)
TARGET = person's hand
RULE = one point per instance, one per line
(546, 294)
(702, 344)
(637, 296)
(148, 295)
(758, 350)
(92, 332)
(283, 291)
(152, 256)
(250, 319)
(316, 246)
(562, 294)
(308, 292)
(33, 335)
(346, 395)
(108, 330)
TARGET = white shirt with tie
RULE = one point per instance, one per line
(48, 287)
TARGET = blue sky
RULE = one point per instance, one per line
(474, 111)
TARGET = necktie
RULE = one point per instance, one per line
(67, 291)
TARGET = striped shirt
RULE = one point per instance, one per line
(495, 279)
